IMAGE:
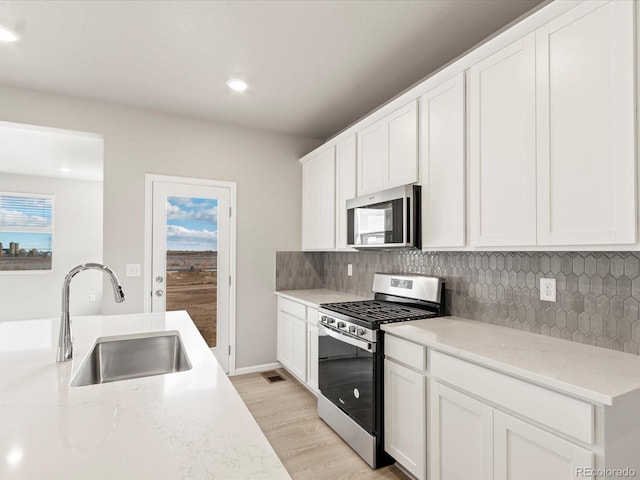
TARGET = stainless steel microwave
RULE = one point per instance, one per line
(387, 219)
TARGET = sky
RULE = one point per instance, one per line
(23, 211)
(192, 223)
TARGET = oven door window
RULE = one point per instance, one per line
(346, 376)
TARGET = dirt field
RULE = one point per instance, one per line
(25, 263)
(194, 290)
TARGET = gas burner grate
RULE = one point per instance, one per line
(378, 312)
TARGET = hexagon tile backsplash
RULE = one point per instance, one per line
(597, 295)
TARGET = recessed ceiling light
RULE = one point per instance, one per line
(237, 85)
(7, 35)
(65, 169)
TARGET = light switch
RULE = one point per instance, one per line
(134, 270)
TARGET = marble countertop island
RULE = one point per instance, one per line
(185, 425)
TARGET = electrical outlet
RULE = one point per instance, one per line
(92, 298)
(349, 270)
(548, 289)
(134, 270)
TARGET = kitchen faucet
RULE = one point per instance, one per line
(65, 342)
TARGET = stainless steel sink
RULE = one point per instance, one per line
(132, 356)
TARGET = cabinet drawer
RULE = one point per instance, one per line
(296, 309)
(565, 414)
(405, 352)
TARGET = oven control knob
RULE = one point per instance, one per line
(341, 324)
(331, 320)
(352, 329)
(361, 332)
(323, 319)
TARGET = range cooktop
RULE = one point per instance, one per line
(376, 311)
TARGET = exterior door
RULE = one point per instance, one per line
(191, 258)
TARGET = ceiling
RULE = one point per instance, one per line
(313, 66)
(50, 152)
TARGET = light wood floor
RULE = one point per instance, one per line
(308, 448)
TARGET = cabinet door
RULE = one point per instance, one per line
(461, 433)
(405, 437)
(285, 339)
(312, 357)
(442, 135)
(373, 155)
(502, 147)
(318, 202)
(345, 186)
(402, 168)
(299, 348)
(522, 452)
(586, 133)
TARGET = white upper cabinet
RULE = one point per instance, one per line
(402, 167)
(388, 151)
(552, 140)
(345, 186)
(318, 201)
(442, 153)
(373, 155)
(502, 147)
(585, 108)
(528, 141)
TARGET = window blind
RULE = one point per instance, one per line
(26, 212)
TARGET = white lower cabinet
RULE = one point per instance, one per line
(312, 350)
(405, 437)
(299, 348)
(523, 452)
(285, 339)
(292, 344)
(494, 445)
(459, 427)
(297, 338)
(445, 419)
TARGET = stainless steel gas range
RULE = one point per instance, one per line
(351, 353)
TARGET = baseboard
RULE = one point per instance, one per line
(257, 368)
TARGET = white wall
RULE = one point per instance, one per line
(77, 239)
(138, 141)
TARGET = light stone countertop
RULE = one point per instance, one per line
(599, 375)
(187, 425)
(316, 296)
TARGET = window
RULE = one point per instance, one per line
(26, 232)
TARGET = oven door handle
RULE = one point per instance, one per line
(368, 346)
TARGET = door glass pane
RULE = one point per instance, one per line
(192, 260)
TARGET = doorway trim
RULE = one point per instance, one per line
(149, 178)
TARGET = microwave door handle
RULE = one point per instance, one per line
(370, 347)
